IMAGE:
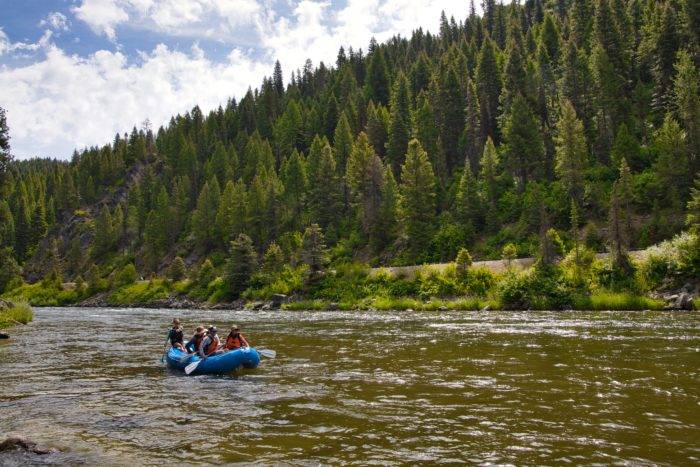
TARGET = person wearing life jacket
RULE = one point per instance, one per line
(210, 344)
(176, 335)
(235, 340)
(193, 344)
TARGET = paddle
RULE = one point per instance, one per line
(193, 366)
(269, 353)
(165, 350)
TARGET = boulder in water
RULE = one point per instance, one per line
(24, 445)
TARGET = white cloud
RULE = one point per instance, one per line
(217, 19)
(24, 49)
(56, 21)
(64, 101)
(101, 15)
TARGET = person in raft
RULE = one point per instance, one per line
(193, 345)
(210, 344)
(175, 336)
(235, 340)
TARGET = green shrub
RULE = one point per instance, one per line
(612, 276)
(435, 284)
(541, 288)
(19, 313)
(476, 282)
(126, 276)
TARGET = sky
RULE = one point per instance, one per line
(73, 73)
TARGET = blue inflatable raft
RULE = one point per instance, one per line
(226, 362)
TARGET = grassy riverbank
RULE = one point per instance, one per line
(17, 313)
(581, 280)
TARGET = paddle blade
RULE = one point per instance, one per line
(192, 366)
(267, 353)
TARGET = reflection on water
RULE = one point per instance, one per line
(351, 387)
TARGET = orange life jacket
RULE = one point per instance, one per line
(213, 346)
(235, 342)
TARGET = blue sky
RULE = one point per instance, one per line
(75, 72)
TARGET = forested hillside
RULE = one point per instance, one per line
(581, 116)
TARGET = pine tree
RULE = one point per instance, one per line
(472, 136)
(626, 147)
(672, 166)
(399, 123)
(231, 213)
(265, 206)
(104, 232)
(325, 192)
(204, 224)
(377, 79)
(661, 41)
(365, 175)
(295, 182)
(342, 143)
(426, 131)
(571, 151)
(277, 79)
(451, 118)
(524, 148)
(385, 232)
(618, 232)
(313, 249)
(7, 226)
(467, 202)
(488, 87)
(489, 174)
(39, 225)
(420, 74)
(580, 23)
(417, 198)
(273, 259)
(177, 269)
(240, 266)
(686, 98)
(377, 127)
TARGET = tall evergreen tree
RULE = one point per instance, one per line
(365, 174)
(399, 123)
(488, 88)
(417, 198)
(204, 224)
(571, 151)
(377, 78)
(686, 98)
(524, 148)
(377, 127)
(241, 265)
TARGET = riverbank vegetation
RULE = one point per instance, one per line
(540, 129)
(15, 313)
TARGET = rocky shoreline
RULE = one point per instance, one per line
(180, 302)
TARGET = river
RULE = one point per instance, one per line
(360, 387)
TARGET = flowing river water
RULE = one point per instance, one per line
(363, 388)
